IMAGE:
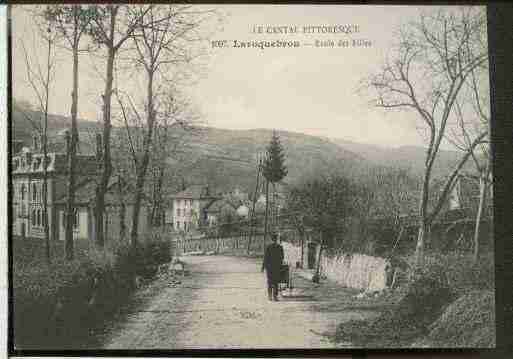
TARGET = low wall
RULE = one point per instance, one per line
(220, 245)
(353, 271)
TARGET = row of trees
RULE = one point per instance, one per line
(158, 42)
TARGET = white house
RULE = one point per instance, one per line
(188, 210)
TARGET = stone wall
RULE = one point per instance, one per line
(353, 271)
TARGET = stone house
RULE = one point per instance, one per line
(27, 197)
(27, 191)
(188, 208)
(218, 209)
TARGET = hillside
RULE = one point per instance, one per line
(227, 158)
(23, 122)
(408, 157)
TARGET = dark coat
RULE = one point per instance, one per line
(273, 259)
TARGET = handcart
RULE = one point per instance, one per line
(285, 278)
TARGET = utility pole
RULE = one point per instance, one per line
(266, 209)
(252, 217)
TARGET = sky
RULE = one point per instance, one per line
(309, 89)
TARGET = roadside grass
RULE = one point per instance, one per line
(448, 293)
(468, 322)
(59, 306)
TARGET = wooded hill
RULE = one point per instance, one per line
(227, 158)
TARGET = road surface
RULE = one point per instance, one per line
(223, 304)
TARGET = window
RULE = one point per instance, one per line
(76, 219)
(48, 161)
(178, 211)
(23, 190)
(34, 191)
(37, 218)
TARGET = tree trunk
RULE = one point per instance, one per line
(45, 192)
(45, 164)
(105, 163)
(420, 248)
(482, 200)
(157, 213)
(302, 249)
(122, 211)
(266, 210)
(423, 226)
(318, 269)
(253, 216)
(136, 211)
(142, 168)
(72, 152)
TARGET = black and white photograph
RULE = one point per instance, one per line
(229, 176)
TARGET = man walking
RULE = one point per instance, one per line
(273, 259)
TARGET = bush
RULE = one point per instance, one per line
(423, 301)
(45, 297)
(467, 322)
(425, 306)
(462, 274)
(56, 306)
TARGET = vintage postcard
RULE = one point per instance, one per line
(250, 177)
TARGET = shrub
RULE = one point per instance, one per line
(423, 301)
(462, 274)
(56, 306)
(43, 296)
(467, 322)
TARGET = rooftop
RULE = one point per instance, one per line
(195, 192)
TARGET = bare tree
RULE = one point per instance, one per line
(72, 23)
(170, 136)
(39, 78)
(473, 117)
(162, 44)
(111, 27)
(433, 60)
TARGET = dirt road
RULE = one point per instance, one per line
(223, 304)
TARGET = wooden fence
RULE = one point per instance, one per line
(235, 244)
